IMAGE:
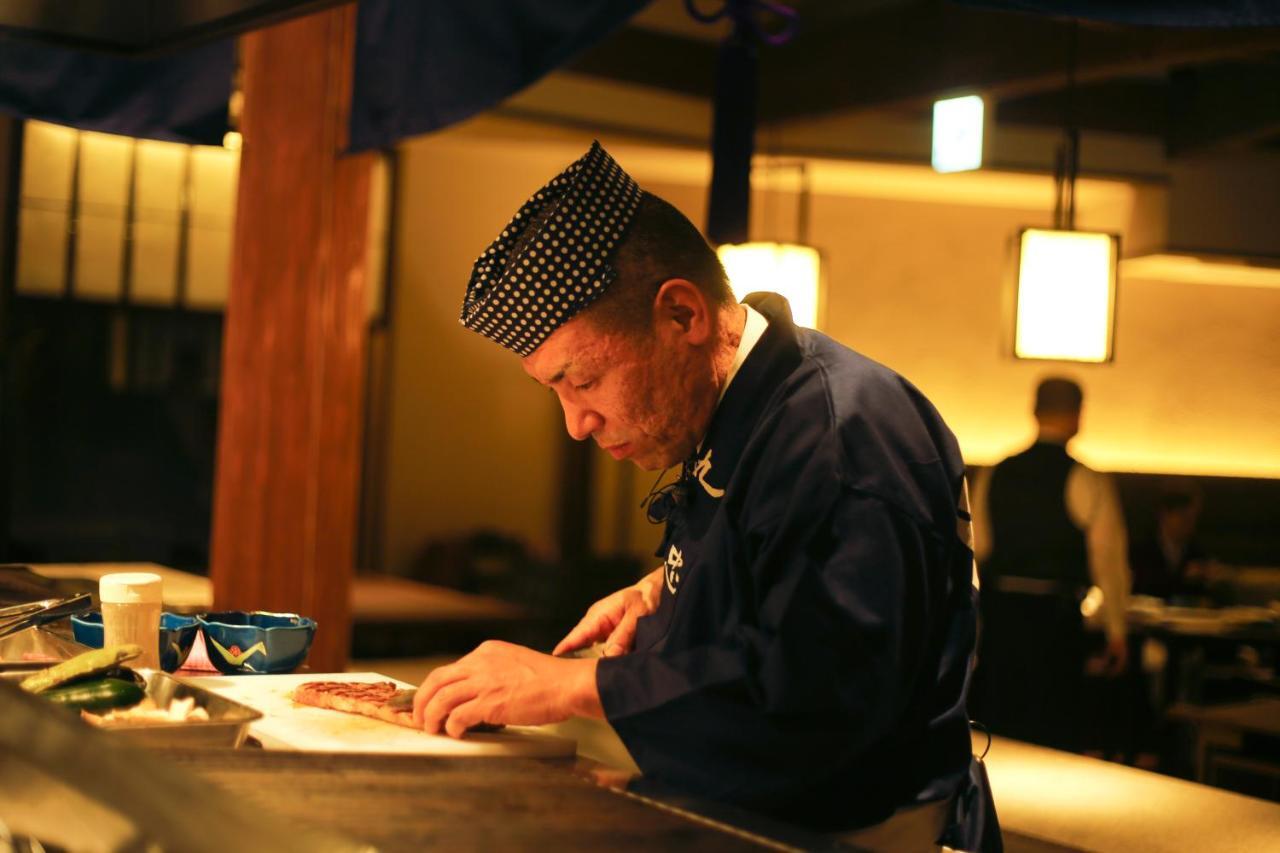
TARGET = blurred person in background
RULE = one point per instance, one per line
(1046, 530)
(1169, 562)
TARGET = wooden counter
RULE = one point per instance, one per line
(374, 598)
(1078, 803)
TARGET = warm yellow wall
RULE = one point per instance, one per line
(915, 284)
(1195, 386)
(472, 439)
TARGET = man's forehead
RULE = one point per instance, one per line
(568, 347)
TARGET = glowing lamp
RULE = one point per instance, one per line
(957, 134)
(1066, 293)
(789, 269)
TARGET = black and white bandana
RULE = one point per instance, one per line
(552, 259)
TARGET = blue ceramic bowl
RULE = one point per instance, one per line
(177, 635)
(241, 642)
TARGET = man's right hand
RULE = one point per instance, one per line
(612, 619)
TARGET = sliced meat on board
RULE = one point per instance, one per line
(363, 698)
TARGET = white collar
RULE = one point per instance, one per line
(751, 332)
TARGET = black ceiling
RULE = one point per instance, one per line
(1198, 89)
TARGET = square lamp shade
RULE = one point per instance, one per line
(790, 269)
(1066, 295)
(957, 134)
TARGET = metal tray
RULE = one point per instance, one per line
(37, 648)
(227, 726)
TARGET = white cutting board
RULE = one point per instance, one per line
(285, 725)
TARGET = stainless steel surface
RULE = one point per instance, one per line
(417, 803)
(58, 776)
(227, 726)
(36, 648)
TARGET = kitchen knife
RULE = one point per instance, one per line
(403, 700)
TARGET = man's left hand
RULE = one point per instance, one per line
(500, 684)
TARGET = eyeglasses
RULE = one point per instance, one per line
(660, 503)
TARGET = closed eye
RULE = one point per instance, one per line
(585, 385)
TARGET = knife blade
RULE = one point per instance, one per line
(403, 700)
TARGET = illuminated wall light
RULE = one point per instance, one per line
(789, 269)
(1066, 295)
(957, 134)
(232, 140)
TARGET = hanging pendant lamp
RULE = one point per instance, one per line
(791, 269)
(1065, 295)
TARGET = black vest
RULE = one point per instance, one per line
(1031, 533)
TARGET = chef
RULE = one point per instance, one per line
(804, 649)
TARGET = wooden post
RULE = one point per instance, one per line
(285, 500)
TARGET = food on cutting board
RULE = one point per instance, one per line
(353, 697)
(381, 700)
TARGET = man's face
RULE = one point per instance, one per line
(632, 394)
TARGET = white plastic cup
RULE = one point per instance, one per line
(131, 603)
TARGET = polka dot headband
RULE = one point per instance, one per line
(552, 259)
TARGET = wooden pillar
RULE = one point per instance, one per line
(289, 434)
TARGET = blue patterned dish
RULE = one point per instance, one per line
(177, 635)
(240, 642)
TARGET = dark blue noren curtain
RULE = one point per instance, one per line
(424, 65)
(178, 98)
(1152, 13)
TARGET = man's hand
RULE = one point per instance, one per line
(612, 620)
(501, 683)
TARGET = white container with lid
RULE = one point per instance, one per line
(131, 604)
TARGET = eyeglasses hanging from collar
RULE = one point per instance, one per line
(662, 502)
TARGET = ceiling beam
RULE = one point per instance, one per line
(908, 56)
(1222, 107)
(643, 57)
(1136, 106)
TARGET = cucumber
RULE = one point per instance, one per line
(80, 666)
(96, 695)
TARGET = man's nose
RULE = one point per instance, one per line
(580, 421)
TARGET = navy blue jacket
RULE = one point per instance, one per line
(810, 655)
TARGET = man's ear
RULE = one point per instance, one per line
(681, 310)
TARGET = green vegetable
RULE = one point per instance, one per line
(80, 666)
(96, 695)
